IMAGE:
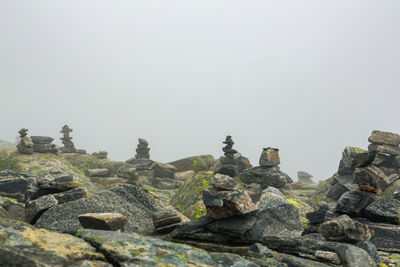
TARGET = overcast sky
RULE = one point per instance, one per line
(309, 77)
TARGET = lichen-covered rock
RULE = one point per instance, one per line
(98, 172)
(384, 149)
(188, 198)
(384, 138)
(22, 245)
(345, 229)
(17, 185)
(35, 208)
(71, 195)
(129, 200)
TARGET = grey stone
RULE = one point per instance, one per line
(42, 139)
(254, 191)
(45, 148)
(223, 182)
(59, 183)
(384, 210)
(354, 202)
(305, 177)
(163, 170)
(15, 209)
(370, 178)
(344, 229)
(265, 176)
(384, 138)
(370, 248)
(227, 166)
(384, 149)
(35, 208)
(269, 157)
(103, 221)
(386, 237)
(25, 145)
(18, 187)
(348, 156)
(71, 195)
(196, 163)
(273, 190)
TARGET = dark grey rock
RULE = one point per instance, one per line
(384, 138)
(384, 210)
(163, 170)
(317, 216)
(340, 185)
(385, 237)
(25, 145)
(370, 248)
(348, 156)
(354, 202)
(223, 182)
(384, 149)
(227, 166)
(265, 176)
(18, 187)
(55, 184)
(71, 195)
(103, 221)
(344, 229)
(254, 191)
(129, 200)
(35, 208)
(42, 139)
(370, 178)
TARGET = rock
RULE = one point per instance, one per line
(184, 175)
(265, 176)
(102, 221)
(305, 177)
(101, 154)
(348, 156)
(4, 213)
(223, 182)
(58, 184)
(396, 161)
(317, 216)
(384, 210)
(269, 157)
(45, 148)
(131, 249)
(386, 237)
(35, 208)
(370, 248)
(129, 200)
(166, 221)
(244, 163)
(15, 209)
(273, 190)
(41, 139)
(344, 229)
(384, 149)
(196, 163)
(340, 185)
(384, 138)
(370, 178)
(254, 191)
(27, 246)
(142, 164)
(18, 187)
(354, 202)
(71, 195)
(227, 166)
(25, 145)
(81, 151)
(98, 172)
(163, 170)
(223, 204)
(228, 150)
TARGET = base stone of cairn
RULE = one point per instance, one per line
(42, 144)
(222, 201)
(384, 142)
(25, 145)
(66, 140)
(227, 164)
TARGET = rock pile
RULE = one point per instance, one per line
(267, 174)
(66, 140)
(385, 143)
(228, 164)
(101, 154)
(25, 145)
(142, 158)
(42, 144)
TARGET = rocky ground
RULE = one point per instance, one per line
(76, 209)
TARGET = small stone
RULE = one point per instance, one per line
(223, 182)
(102, 221)
(384, 149)
(36, 207)
(98, 172)
(384, 138)
(269, 157)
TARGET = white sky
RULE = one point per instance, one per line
(308, 77)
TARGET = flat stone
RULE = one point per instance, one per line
(385, 237)
(269, 157)
(385, 149)
(18, 187)
(385, 210)
(265, 176)
(344, 229)
(164, 170)
(98, 172)
(59, 183)
(164, 218)
(354, 202)
(35, 208)
(45, 148)
(384, 138)
(102, 221)
(42, 139)
(370, 176)
(81, 151)
(71, 195)
(223, 182)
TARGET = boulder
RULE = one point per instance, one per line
(35, 208)
(385, 237)
(348, 156)
(344, 229)
(45, 148)
(370, 248)
(227, 166)
(243, 162)
(384, 149)
(196, 163)
(98, 172)
(42, 139)
(305, 177)
(273, 190)
(265, 176)
(354, 202)
(184, 175)
(50, 184)
(27, 246)
(370, 178)
(71, 195)
(223, 204)
(384, 210)
(318, 216)
(15, 209)
(18, 187)
(164, 170)
(269, 157)
(129, 200)
(103, 221)
(384, 138)
(254, 191)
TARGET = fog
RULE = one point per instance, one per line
(309, 77)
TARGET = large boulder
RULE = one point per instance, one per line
(35, 208)
(163, 170)
(129, 200)
(265, 176)
(348, 156)
(344, 229)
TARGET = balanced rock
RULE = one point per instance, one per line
(371, 179)
(63, 182)
(384, 149)
(304, 177)
(42, 144)
(103, 221)
(269, 157)
(141, 161)
(345, 229)
(384, 138)
(227, 164)
(25, 145)
(384, 210)
(228, 150)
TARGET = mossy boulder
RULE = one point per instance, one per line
(196, 163)
(188, 198)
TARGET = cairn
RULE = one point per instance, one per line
(25, 145)
(66, 140)
(269, 157)
(42, 144)
(142, 158)
(227, 164)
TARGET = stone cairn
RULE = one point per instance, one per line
(142, 157)
(66, 140)
(25, 145)
(42, 144)
(227, 164)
